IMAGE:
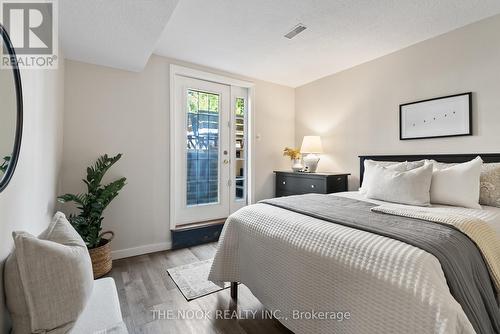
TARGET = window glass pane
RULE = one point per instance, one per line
(240, 188)
(240, 159)
(240, 106)
(203, 102)
(202, 135)
(203, 170)
(213, 103)
(192, 193)
(193, 101)
(213, 173)
(203, 193)
(213, 189)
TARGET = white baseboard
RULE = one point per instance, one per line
(140, 250)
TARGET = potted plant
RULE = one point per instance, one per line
(294, 154)
(91, 205)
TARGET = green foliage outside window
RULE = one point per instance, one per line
(202, 102)
(240, 106)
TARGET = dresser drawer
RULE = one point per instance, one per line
(339, 183)
(285, 182)
(310, 185)
(288, 183)
(299, 184)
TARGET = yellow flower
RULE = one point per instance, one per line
(293, 153)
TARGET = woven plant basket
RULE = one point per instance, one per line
(101, 256)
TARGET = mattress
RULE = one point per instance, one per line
(296, 263)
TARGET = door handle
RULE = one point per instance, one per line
(226, 161)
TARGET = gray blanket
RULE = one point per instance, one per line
(463, 265)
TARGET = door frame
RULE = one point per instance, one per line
(177, 70)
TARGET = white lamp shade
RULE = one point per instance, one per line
(311, 144)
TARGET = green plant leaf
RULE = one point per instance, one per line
(79, 198)
(88, 223)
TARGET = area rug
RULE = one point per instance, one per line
(192, 279)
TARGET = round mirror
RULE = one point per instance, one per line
(11, 110)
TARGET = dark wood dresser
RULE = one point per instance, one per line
(297, 183)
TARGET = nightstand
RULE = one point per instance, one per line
(297, 183)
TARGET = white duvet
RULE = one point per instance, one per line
(299, 266)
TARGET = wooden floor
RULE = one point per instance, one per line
(144, 285)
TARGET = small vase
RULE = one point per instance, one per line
(297, 165)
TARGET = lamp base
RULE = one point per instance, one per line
(311, 163)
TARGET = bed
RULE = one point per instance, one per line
(320, 276)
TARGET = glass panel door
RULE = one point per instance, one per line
(202, 161)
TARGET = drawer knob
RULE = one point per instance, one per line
(312, 186)
(339, 179)
(284, 182)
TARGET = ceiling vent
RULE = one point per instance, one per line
(295, 31)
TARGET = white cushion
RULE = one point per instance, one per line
(489, 193)
(48, 280)
(441, 165)
(414, 164)
(102, 313)
(457, 185)
(392, 165)
(369, 169)
(408, 187)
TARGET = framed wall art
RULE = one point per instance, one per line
(446, 116)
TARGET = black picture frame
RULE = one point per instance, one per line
(7, 45)
(469, 133)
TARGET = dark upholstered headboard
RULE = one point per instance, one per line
(448, 158)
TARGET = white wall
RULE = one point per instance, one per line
(28, 201)
(356, 111)
(112, 111)
(9, 114)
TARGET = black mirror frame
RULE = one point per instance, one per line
(19, 97)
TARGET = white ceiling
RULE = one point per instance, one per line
(246, 36)
(115, 33)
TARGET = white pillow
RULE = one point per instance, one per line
(369, 167)
(392, 165)
(441, 165)
(457, 185)
(48, 279)
(408, 187)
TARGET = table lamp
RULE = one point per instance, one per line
(311, 148)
